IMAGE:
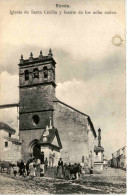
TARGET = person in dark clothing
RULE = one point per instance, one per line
(21, 167)
(42, 157)
(91, 171)
(27, 167)
(60, 169)
(60, 162)
(75, 170)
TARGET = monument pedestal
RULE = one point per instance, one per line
(98, 167)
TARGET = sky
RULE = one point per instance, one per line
(89, 50)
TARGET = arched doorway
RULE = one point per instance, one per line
(35, 150)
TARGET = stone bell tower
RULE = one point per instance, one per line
(36, 92)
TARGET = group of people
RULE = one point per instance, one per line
(35, 168)
(70, 171)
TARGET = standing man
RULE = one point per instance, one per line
(60, 162)
(60, 168)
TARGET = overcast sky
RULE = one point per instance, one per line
(90, 69)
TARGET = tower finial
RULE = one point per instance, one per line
(21, 57)
(31, 57)
(40, 56)
(31, 54)
(50, 52)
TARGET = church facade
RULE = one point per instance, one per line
(44, 122)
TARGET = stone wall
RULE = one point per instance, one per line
(91, 144)
(73, 130)
(36, 98)
(27, 123)
(27, 137)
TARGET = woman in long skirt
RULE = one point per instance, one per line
(32, 169)
(60, 172)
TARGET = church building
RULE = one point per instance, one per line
(45, 124)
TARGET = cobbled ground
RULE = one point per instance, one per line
(111, 181)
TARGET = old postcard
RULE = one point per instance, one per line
(62, 97)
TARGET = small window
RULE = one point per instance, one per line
(45, 70)
(26, 75)
(96, 153)
(35, 73)
(36, 119)
(6, 144)
(9, 134)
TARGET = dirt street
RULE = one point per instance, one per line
(110, 181)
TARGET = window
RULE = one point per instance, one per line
(36, 119)
(96, 153)
(9, 134)
(6, 144)
(45, 70)
(26, 75)
(35, 73)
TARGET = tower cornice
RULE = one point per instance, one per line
(36, 84)
(36, 60)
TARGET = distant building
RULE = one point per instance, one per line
(118, 159)
(123, 161)
(10, 148)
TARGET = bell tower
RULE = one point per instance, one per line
(36, 92)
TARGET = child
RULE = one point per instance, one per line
(15, 170)
(83, 171)
(41, 170)
(91, 171)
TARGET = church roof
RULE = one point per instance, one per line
(52, 133)
(9, 105)
(89, 119)
(7, 128)
(56, 100)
